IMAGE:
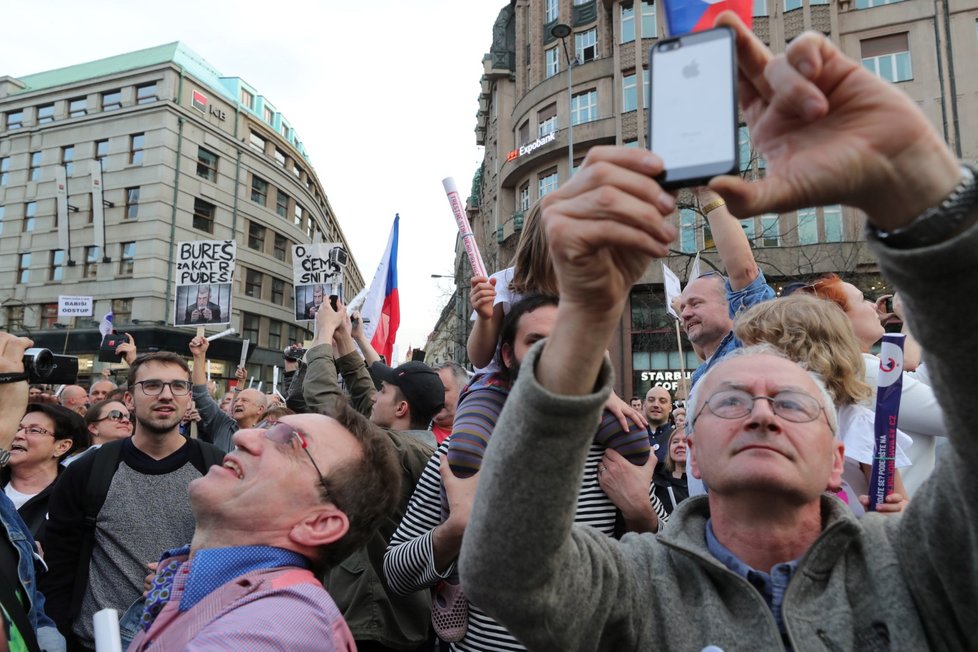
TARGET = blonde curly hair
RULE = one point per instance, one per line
(814, 333)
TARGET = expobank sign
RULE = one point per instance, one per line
(529, 147)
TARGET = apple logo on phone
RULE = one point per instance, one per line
(690, 70)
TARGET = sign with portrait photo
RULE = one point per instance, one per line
(204, 273)
(317, 271)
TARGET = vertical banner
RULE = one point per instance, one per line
(98, 208)
(61, 201)
(204, 273)
(317, 274)
(889, 387)
(464, 230)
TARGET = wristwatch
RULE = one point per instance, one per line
(4, 457)
(955, 214)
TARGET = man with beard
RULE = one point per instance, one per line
(99, 560)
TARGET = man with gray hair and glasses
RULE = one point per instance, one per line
(768, 560)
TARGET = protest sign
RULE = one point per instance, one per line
(74, 306)
(204, 272)
(317, 271)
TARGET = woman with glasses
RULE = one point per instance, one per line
(817, 335)
(47, 434)
(106, 421)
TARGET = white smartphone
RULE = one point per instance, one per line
(693, 108)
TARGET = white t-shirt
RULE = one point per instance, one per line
(17, 498)
(506, 298)
(857, 430)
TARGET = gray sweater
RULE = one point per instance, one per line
(900, 582)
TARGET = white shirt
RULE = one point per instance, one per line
(17, 498)
(506, 298)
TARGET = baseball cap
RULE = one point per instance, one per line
(421, 385)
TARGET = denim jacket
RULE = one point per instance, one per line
(20, 536)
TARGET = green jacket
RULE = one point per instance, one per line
(371, 609)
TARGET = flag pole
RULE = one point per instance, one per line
(682, 362)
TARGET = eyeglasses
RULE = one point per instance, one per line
(155, 387)
(34, 430)
(797, 407)
(286, 435)
(117, 415)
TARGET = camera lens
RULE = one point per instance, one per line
(38, 363)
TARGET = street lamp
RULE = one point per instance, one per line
(562, 31)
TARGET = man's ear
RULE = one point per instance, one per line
(838, 464)
(506, 352)
(691, 466)
(128, 400)
(401, 409)
(320, 527)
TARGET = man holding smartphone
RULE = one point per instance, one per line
(767, 559)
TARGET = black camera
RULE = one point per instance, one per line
(42, 366)
(294, 352)
(110, 342)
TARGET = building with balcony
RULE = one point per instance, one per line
(184, 153)
(533, 106)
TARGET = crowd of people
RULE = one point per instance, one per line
(525, 505)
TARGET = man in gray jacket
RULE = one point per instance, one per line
(767, 560)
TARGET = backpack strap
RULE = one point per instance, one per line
(104, 464)
(203, 455)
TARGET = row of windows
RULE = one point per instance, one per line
(137, 146)
(251, 330)
(48, 314)
(584, 108)
(281, 291)
(585, 50)
(79, 106)
(766, 230)
(130, 211)
(285, 207)
(89, 266)
(257, 238)
(262, 144)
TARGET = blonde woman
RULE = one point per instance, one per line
(818, 335)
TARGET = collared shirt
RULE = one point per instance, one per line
(770, 585)
(214, 567)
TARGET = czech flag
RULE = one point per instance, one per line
(684, 16)
(105, 326)
(382, 305)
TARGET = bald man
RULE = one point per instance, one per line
(658, 407)
(99, 390)
(75, 398)
(215, 426)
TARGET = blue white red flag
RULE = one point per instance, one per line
(105, 326)
(382, 307)
(889, 387)
(684, 16)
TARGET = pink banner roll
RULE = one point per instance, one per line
(468, 238)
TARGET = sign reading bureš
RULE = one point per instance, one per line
(317, 271)
(203, 275)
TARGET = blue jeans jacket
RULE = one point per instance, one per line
(17, 533)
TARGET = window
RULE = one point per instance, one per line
(15, 120)
(136, 149)
(68, 159)
(586, 46)
(132, 203)
(15, 317)
(269, 115)
(30, 215)
(256, 236)
(650, 25)
(807, 226)
(551, 11)
(259, 190)
(280, 157)
(90, 268)
(127, 257)
(253, 282)
(888, 57)
(547, 120)
(790, 5)
(112, 100)
(203, 216)
(249, 326)
(552, 65)
(867, 4)
(297, 171)
(584, 107)
(45, 114)
(281, 246)
(35, 169)
(146, 93)
(101, 149)
(525, 197)
(77, 107)
(4, 170)
(743, 143)
(257, 142)
(274, 334)
(121, 311)
(298, 215)
(818, 2)
(49, 314)
(247, 98)
(310, 228)
(770, 231)
(629, 93)
(282, 204)
(56, 268)
(547, 182)
(206, 164)
(1, 217)
(687, 230)
(628, 24)
(760, 7)
(749, 230)
(832, 218)
(523, 134)
(278, 291)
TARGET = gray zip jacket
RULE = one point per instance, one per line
(905, 582)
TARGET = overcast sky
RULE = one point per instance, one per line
(383, 94)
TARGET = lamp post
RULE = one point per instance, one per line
(562, 31)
